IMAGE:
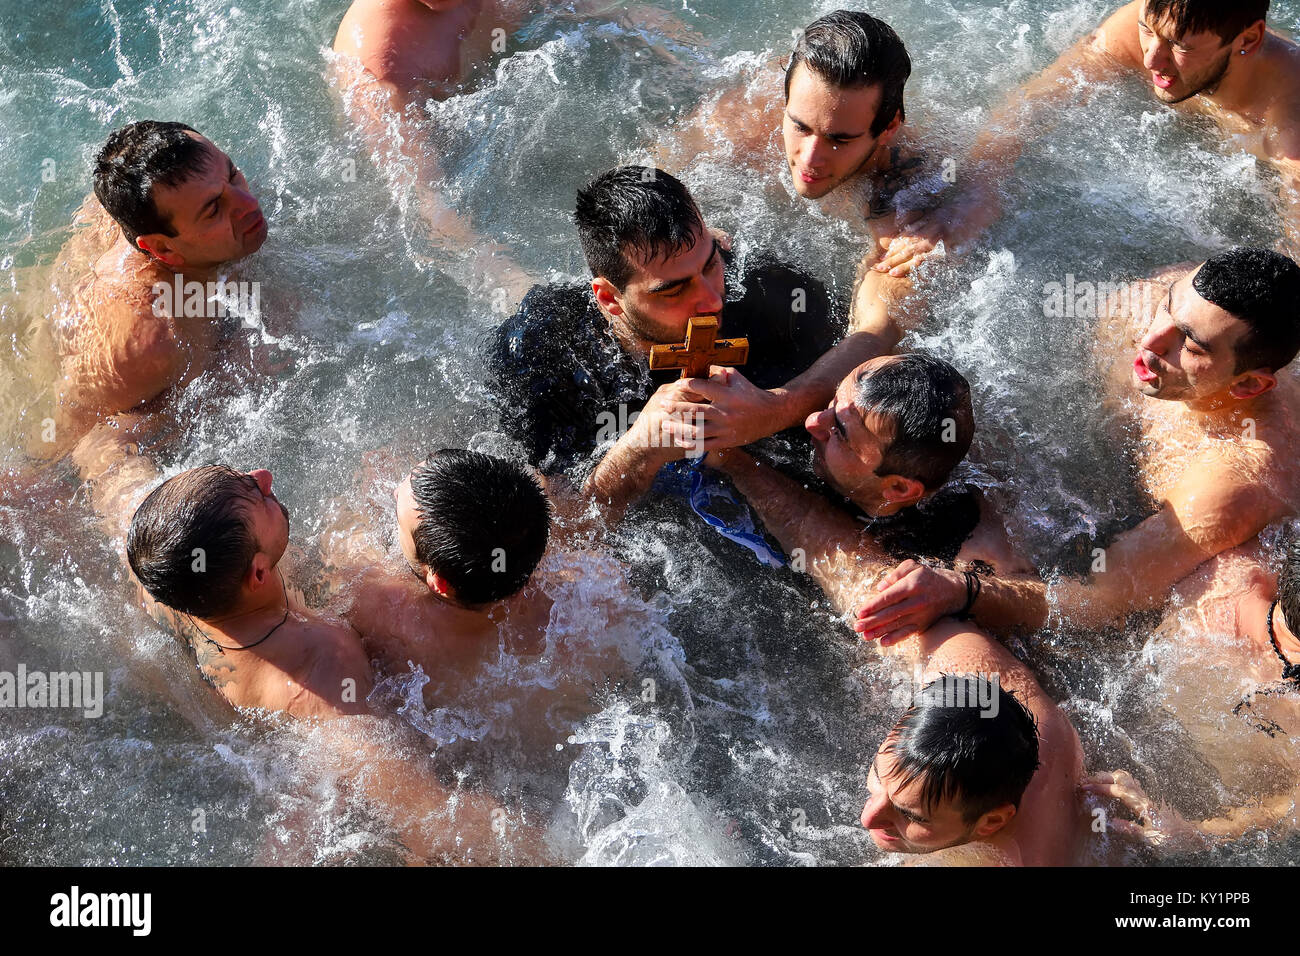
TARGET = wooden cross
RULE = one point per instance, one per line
(701, 349)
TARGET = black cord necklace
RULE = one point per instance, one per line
(243, 647)
(1289, 671)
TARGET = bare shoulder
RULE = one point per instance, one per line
(1227, 496)
(338, 677)
(976, 853)
(1118, 35)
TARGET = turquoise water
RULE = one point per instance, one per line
(768, 714)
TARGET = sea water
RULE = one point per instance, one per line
(765, 710)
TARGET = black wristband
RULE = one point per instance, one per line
(973, 586)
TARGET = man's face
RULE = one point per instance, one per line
(215, 217)
(408, 519)
(898, 819)
(268, 517)
(1180, 66)
(827, 132)
(849, 446)
(664, 294)
(1189, 350)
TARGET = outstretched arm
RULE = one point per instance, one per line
(1166, 828)
(115, 471)
(1027, 111)
(839, 555)
(1208, 514)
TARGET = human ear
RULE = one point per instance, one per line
(607, 297)
(1252, 384)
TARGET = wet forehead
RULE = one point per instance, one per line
(904, 797)
(685, 265)
(1209, 323)
(830, 110)
(1163, 27)
(185, 203)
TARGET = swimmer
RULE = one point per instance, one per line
(886, 444)
(843, 139)
(1233, 673)
(983, 769)
(169, 207)
(1216, 409)
(881, 444)
(1198, 56)
(472, 529)
(205, 548)
(572, 366)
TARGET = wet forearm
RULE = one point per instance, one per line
(829, 544)
(625, 473)
(813, 390)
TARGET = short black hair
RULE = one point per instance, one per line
(1261, 288)
(190, 542)
(484, 523)
(980, 758)
(1227, 18)
(1288, 584)
(137, 159)
(850, 50)
(634, 209)
(928, 403)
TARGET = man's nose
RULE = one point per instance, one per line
(263, 479)
(874, 815)
(1160, 337)
(1157, 57)
(818, 424)
(242, 202)
(815, 153)
(709, 301)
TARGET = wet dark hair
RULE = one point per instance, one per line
(203, 508)
(1288, 584)
(634, 209)
(923, 397)
(961, 753)
(137, 159)
(851, 50)
(484, 523)
(1227, 18)
(1261, 288)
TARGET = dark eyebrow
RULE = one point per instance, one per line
(798, 122)
(1186, 330)
(665, 286)
(1182, 326)
(910, 814)
(217, 198)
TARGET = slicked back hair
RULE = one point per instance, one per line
(634, 210)
(1227, 18)
(980, 759)
(1261, 288)
(134, 162)
(190, 542)
(928, 405)
(851, 50)
(484, 523)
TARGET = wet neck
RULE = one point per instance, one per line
(1239, 90)
(252, 617)
(1224, 411)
